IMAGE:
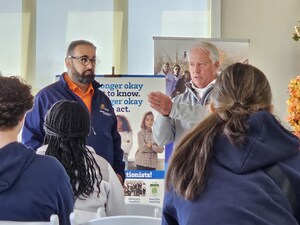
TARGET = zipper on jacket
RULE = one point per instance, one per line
(94, 132)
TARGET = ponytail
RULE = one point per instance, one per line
(187, 170)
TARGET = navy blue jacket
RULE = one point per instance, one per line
(238, 191)
(33, 187)
(104, 137)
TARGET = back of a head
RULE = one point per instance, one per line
(67, 125)
(244, 85)
(239, 91)
(67, 120)
(15, 100)
(209, 47)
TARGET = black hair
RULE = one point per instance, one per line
(125, 123)
(15, 100)
(67, 125)
(74, 44)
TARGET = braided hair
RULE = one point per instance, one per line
(67, 125)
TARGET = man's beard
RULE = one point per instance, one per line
(85, 77)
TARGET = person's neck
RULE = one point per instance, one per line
(83, 87)
(7, 137)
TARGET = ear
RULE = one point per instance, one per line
(217, 64)
(20, 123)
(68, 62)
(22, 118)
(272, 109)
(211, 107)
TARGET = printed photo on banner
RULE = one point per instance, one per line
(144, 187)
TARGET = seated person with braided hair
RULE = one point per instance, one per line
(94, 182)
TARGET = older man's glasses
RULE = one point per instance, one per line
(85, 60)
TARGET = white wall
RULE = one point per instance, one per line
(269, 25)
(11, 37)
(189, 18)
(59, 22)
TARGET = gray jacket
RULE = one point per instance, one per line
(187, 111)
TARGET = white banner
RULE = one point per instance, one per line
(128, 95)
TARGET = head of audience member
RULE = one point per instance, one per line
(165, 68)
(66, 126)
(123, 124)
(203, 60)
(239, 91)
(176, 70)
(81, 61)
(15, 100)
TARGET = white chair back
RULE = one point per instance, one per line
(143, 210)
(53, 221)
(73, 218)
(125, 220)
(80, 216)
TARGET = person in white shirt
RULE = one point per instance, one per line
(94, 182)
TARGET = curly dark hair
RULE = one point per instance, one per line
(67, 125)
(125, 123)
(15, 100)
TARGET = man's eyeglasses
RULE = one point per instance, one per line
(85, 60)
